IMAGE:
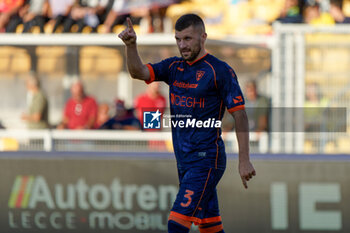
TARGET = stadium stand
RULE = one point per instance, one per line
(244, 34)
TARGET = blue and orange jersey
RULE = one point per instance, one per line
(199, 91)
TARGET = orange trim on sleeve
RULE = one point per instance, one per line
(239, 107)
(185, 223)
(151, 74)
(196, 220)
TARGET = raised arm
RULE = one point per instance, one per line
(246, 169)
(136, 68)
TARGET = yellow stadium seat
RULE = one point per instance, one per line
(346, 7)
(330, 148)
(4, 63)
(59, 29)
(74, 28)
(176, 10)
(19, 28)
(343, 145)
(48, 28)
(268, 11)
(309, 147)
(314, 59)
(119, 28)
(9, 144)
(14, 60)
(21, 63)
(87, 30)
(99, 60)
(35, 30)
(101, 28)
(236, 15)
(50, 60)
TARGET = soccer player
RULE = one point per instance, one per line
(200, 86)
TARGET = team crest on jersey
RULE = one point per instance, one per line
(199, 75)
(237, 99)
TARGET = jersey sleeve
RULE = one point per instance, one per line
(229, 89)
(160, 71)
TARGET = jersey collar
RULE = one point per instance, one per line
(191, 63)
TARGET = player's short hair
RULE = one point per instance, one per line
(188, 20)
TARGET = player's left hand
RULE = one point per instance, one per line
(246, 171)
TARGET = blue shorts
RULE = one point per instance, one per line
(197, 199)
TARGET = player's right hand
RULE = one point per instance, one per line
(128, 36)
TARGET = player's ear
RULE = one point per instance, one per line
(204, 36)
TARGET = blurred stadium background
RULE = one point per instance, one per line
(302, 182)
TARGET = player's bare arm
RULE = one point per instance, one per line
(136, 68)
(245, 167)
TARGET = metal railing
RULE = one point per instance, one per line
(108, 141)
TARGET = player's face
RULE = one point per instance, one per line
(190, 42)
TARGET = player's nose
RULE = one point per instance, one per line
(181, 44)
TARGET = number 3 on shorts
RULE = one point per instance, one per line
(188, 195)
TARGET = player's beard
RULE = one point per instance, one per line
(194, 51)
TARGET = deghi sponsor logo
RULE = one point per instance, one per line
(36, 204)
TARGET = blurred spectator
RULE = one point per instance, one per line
(291, 12)
(123, 119)
(102, 114)
(313, 15)
(336, 10)
(152, 99)
(87, 13)
(116, 16)
(58, 12)
(257, 107)
(33, 13)
(315, 108)
(36, 115)
(156, 18)
(80, 111)
(314, 97)
(8, 10)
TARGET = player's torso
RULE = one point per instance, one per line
(193, 94)
(192, 88)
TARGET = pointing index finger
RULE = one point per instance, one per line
(129, 23)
